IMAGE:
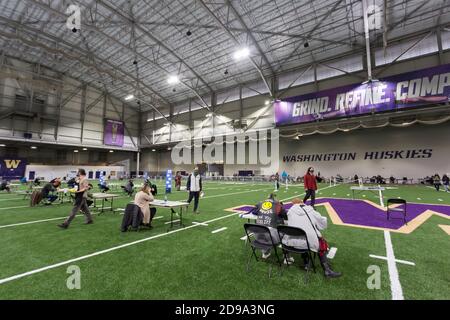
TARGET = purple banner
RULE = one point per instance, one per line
(12, 167)
(407, 90)
(114, 133)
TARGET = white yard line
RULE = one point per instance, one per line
(38, 221)
(396, 260)
(168, 222)
(14, 207)
(396, 287)
(66, 262)
(200, 223)
(219, 230)
(12, 199)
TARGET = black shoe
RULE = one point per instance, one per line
(90, 222)
(330, 273)
(63, 226)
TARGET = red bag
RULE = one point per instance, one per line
(323, 246)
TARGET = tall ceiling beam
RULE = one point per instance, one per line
(250, 34)
(160, 43)
(230, 34)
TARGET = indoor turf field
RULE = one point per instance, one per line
(195, 263)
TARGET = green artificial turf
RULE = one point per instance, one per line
(194, 263)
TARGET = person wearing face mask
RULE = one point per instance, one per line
(310, 184)
(194, 186)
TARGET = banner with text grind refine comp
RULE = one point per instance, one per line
(399, 92)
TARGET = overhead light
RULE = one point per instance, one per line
(129, 97)
(173, 79)
(267, 102)
(76, 151)
(111, 151)
(209, 115)
(346, 130)
(153, 150)
(84, 149)
(241, 53)
(2, 145)
(169, 148)
(33, 147)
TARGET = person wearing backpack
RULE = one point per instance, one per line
(306, 218)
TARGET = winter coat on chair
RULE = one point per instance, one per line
(133, 217)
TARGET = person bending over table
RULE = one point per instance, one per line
(306, 218)
(48, 189)
(80, 201)
(309, 181)
(270, 213)
(5, 186)
(142, 199)
(194, 186)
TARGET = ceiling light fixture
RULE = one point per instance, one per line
(33, 147)
(84, 149)
(173, 79)
(2, 145)
(76, 151)
(111, 151)
(153, 150)
(241, 53)
(129, 97)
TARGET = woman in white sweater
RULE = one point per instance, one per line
(143, 199)
(309, 220)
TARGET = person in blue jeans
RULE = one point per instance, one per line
(49, 188)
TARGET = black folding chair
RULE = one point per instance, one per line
(290, 233)
(400, 208)
(260, 238)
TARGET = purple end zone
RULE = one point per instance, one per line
(361, 213)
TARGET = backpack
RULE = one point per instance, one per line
(132, 217)
(35, 198)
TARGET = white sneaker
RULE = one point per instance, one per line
(266, 255)
(289, 260)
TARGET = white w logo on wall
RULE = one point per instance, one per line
(12, 164)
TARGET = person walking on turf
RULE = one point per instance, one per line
(80, 201)
(445, 181)
(194, 186)
(309, 181)
(437, 181)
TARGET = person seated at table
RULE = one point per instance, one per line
(37, 182)
(270, 213)
(306, 218)
(103, 187)
(49, 189)
(392, 179)
(129, 187)
(143, 199)
(4, 185)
